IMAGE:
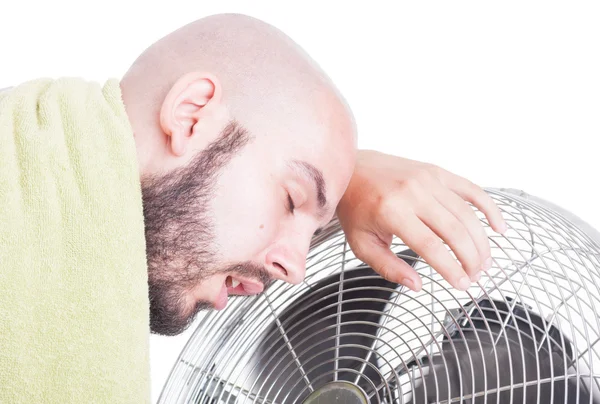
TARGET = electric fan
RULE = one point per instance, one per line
(527, 332)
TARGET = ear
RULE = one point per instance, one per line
(193, 97)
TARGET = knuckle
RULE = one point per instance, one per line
(424, 176)
(385, 271)
(479, 199)
(387, 206)
(432, 171)
(458, 233)
(359, 252)
(472, 263)
(360, 248)
(435, 170)
(462, 243)
(410, 188)
(356, 246)
(390, 204)
(430, 243)
(418, 177)
(486, 248)
(474, 187)
(478, 195)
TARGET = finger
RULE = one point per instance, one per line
(429, 246)
(453, 232)
(373, 252)
(481, 200)
(466, 215)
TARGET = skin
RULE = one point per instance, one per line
(246, 148)
(424, 205)
(237, 222)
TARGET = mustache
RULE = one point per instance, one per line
(252, 270)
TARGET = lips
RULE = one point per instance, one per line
(236, 286)
(221, 301)
(243, 286)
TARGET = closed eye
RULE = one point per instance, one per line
(291, 205)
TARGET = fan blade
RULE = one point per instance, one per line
(483, 364)
(310, 325)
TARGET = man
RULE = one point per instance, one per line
(204, 173)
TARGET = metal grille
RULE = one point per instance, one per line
(528, 331)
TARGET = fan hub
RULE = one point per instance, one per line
(337, 392)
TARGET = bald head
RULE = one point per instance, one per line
(245, 52)
(259, 68)
(245, 148)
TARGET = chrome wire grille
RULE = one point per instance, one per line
(528, 331)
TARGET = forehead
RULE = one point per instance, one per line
(318, 131)
(324, 157)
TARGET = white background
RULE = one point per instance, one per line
(506, 93)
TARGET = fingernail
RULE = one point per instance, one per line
(464, 283)
(487, 264)
(476, 277)
(408, 283)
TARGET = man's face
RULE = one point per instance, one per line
(238, 216)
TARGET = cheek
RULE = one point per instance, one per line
(246, 210)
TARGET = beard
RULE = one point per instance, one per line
(179, 234)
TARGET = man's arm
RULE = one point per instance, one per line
(423, 205)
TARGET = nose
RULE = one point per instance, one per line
(287, 261)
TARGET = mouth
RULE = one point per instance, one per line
(237, 286)
(243, 287)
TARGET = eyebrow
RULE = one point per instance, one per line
(316, 176)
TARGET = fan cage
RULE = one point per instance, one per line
(547, 262)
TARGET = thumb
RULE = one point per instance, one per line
(379, 257)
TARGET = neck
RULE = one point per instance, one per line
(146, 132)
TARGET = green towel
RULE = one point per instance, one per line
(74, 310)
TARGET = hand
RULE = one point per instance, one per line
(423, 205)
